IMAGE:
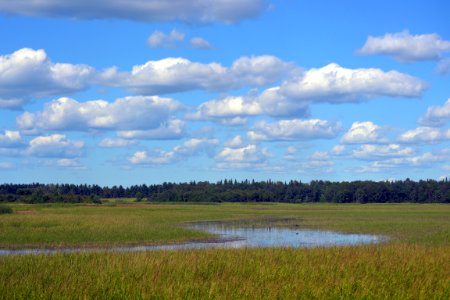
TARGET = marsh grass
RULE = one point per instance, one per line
(98, 225)
(413, 264)
(393, 271)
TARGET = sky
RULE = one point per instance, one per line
(116, 92)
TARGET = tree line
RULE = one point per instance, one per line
(423, 191)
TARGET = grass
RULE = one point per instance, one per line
(414, 264)
(98, 225)
(5, 209)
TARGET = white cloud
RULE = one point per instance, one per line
(129, 113)
(248, 157)
(234, 108)
(28, 73)
(160, 39)
(10, 139)
(249, 153)
(70, 163)
(199, 11)
(159, 157)
(229, 107)
(56, 145)
(234, 142)
(405, 47)
(363, 132)
(290, 153)
(176, 74)
(330, 84)
(374, 152)
(415, 161)
(422, 160)
(116, 143)
(170, 130)
(424, 134)
(200, 43)
(436, 115)
(335, 84)
(338, 150)
(294, 130)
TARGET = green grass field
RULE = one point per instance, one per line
(413, 264)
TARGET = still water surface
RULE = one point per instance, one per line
(235, 237)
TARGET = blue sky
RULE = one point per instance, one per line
(119, 92)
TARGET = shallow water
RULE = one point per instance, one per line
(234, 237)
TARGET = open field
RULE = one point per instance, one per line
(413, 264)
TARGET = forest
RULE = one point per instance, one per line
(423, 191)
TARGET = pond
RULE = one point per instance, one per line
(234, 237)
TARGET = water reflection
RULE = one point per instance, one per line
(284, 237)
(235, 237)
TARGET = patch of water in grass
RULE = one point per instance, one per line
(235, 237)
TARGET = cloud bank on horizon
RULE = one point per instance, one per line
(199, 101)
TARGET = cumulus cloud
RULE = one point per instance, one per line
(229, 107)
(179, 153)
(200, 43)
(294, 130)
(176, 74)
(245, 157)
(70, 163)
(170, 130)
(10, 139)
(338, 150)
(55, 145)
(249, 153)
(160, 39)
(427, 159)
(424, 134)
(199, 11)
(290, 153)
(436, 115)
(335, 84)
(405, 47)
(330, 84)
(363, 132)
(234, 109)
(116, 143)
(234, 142)
(28, 73)
(374, 152)
(129, 113)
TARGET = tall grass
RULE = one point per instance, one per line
(394, 271)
